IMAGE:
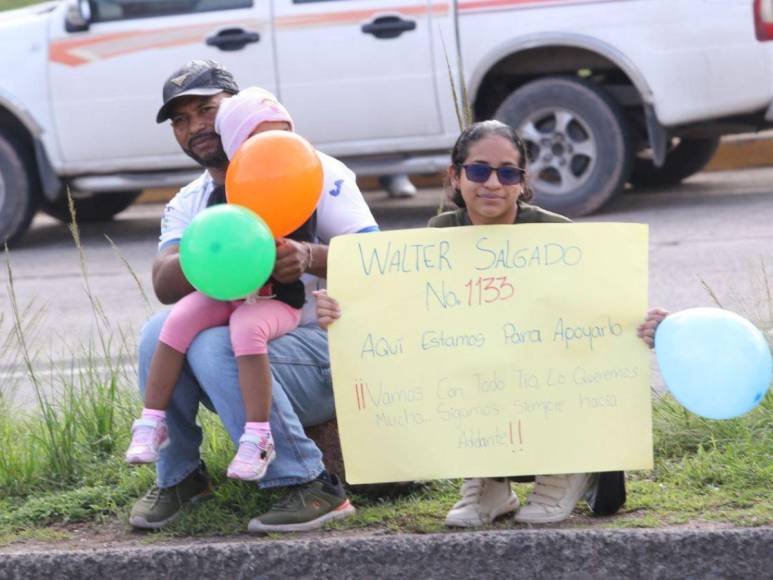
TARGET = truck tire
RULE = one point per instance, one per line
(577, 142)
(94, 208)
(686, 157)
(19, 199)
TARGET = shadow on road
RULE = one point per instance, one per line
(690, 198)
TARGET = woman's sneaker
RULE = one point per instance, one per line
(149, 437)
(554, 497)
(483, 500)
(252, 459)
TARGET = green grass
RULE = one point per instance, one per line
(62, 465)
(9, 4)
(705, 472)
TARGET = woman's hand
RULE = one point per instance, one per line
(646, 330)
(328, 309)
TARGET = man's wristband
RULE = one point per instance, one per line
(309, 260)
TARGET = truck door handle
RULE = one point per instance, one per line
(388, 27)
(233, 39)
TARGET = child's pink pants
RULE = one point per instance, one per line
(252, 324)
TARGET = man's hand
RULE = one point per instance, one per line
(292, 260)
(647, 329)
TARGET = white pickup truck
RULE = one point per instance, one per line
(605, 92)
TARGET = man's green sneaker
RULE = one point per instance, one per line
(306, 507)
(161, 506)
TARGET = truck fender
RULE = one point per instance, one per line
(17, 109)
(569, 40)
(49, 180)
(655, 131)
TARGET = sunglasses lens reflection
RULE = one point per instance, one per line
(479, 173)
(509, 175)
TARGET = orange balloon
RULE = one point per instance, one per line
(278, 175)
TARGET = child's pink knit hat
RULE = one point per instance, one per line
(238, 116)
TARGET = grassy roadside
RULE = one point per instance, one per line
(706, 472)
(10, 4)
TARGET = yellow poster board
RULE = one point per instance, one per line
(491, 351)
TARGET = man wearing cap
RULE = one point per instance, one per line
(302, 390)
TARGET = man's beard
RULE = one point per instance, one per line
(216, 159)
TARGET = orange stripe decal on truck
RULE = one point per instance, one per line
(356, 16)
(80, 51)
(64, 51)
(476, 5)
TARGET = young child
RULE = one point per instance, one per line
(488, 182)
(269, 313)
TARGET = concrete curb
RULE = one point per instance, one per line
(743, 152)
(555, 554)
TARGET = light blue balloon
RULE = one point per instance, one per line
(715, 363)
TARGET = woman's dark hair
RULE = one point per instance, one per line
(472, 135)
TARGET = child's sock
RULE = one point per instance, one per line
(153, 414)
(261, 429)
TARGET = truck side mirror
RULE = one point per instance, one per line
(78, 16)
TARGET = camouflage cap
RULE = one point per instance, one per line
(198, 77)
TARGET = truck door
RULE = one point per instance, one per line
(357, 71)
(106, 81)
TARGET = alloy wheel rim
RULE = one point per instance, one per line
(561, 150)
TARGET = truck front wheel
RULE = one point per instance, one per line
(684, 158)
(18, 199)
(99, 207)
(577, 140)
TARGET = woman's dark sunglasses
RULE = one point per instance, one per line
(480, 172)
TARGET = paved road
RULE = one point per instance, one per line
(715, 227)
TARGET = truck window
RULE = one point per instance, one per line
(110, 10)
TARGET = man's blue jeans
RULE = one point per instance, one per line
(302, 395)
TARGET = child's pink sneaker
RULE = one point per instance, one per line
(149, 437)
(252, 459)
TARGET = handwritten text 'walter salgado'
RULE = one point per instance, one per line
(389, 258)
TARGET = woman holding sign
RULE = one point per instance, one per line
(489, 183)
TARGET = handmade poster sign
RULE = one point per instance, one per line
(491, 351)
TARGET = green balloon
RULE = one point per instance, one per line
(227, 252)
